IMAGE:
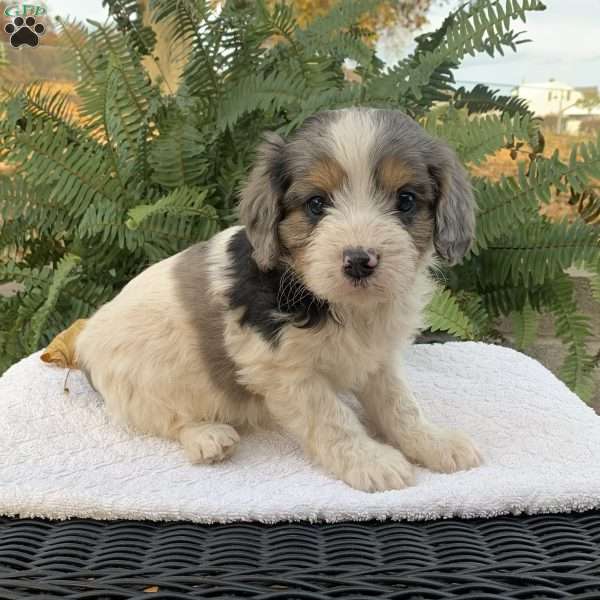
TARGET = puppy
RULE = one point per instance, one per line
(313, 295)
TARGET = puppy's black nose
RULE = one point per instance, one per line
(359, 263)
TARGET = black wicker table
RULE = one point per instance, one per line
(525, 557)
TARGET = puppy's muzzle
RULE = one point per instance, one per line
(359, 263)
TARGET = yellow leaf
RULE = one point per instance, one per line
(152, 589)
(61, 350)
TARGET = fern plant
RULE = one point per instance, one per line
(139, 174)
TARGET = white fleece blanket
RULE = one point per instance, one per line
(61, 457)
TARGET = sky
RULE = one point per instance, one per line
(565, 43)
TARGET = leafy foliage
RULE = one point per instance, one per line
(138, 175)
(474, 138)
(573, 328)
(525, 323)
(482, 99)
(445, 314)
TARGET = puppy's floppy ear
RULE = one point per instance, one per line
(455, 206)
(260, 206)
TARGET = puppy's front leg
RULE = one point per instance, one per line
(334, 437)
(392, 408)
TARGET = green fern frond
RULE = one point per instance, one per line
(183, 201)
(185, 17)
(74, 36)
(539, 251)
(61, 276)
(114, 59)
(126, 103)
(574, 329)
(472, 305)
(26, 215)
(334, 31)
(503, 297)
(41, 102)
(23, 321)
(443, 313)
(28, 276)
(191, 23)
(85, 296)
(161, 235)
(267, 93)
(278, 21)
(482, 99)
(509, 200)
(178, 155)
(517, 198)
(115, 92)
(343, 16)
(584, 164)
(79, 173)
(481, 27)
(525, 325)
(475, 138)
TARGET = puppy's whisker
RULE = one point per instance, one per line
(300, 293)
(283, 291)
(291, 290)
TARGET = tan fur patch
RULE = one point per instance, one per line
(393, 173)
(294, 232)
(295, 229)
(327, 175)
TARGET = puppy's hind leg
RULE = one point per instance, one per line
(206, 443)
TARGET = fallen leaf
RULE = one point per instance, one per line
(61, 350)
(152, 588)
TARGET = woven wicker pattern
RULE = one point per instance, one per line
(555, 556)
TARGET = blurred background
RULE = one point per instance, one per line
(558, 71)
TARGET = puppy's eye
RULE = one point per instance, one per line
(316, 206)
(407, 201)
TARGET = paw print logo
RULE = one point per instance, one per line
(24, 31)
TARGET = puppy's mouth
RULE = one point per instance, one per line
(358, 282)
(363, 289)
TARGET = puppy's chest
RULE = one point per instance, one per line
(347, 354)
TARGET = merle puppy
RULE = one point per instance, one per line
(315, 293)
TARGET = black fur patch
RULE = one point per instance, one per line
(258, 293)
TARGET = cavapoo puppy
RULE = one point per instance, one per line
(267, 323)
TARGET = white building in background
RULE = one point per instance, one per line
(555, 98)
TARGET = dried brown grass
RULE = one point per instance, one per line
(502, 163)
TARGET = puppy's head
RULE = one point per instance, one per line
(355, 203)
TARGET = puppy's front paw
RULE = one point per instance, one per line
(445, 451)
(208, 442)
(378, 468)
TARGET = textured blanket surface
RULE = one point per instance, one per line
(60, 455)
